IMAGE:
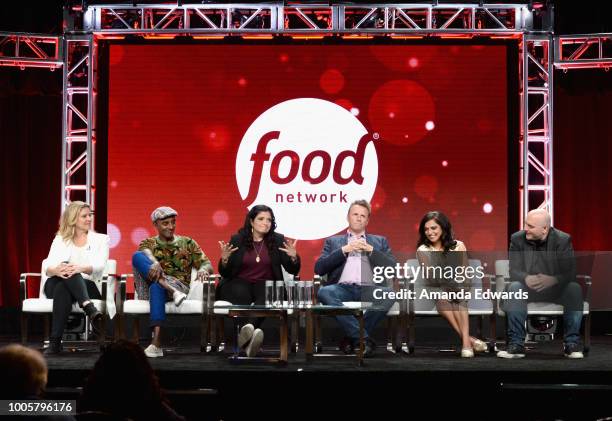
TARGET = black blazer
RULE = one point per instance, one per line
(559, 260)
(278, 258)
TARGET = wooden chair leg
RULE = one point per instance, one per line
(101, 336)
(218, 333)
(393, 344)
(318, 341)
(492, 333)
(411, 334)
(284, 340)
(203, 333)
(213, 333)
(401, 334)
(295, 326)
(221, 333)
(397, 337)
(506, 330)
(136, 329)
(46, 327)
(24, 328)
(587, 333)
(208, 326)
(118, 327)
(390, 330)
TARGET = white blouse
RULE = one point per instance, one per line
(94, 253)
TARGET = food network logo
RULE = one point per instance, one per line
(308, 159)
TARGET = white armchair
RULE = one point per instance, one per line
(42, 305)
(476, 307)
(502, 275)
(194, 304)
(395, 317)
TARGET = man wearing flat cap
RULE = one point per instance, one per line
(162, 270)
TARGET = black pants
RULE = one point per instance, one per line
(65, 292)
(239, 291)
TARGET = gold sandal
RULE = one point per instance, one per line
(479, 346)
(467, 353)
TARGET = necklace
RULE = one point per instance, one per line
(257, 259)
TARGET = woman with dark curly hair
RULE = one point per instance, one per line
(123, 384)
(437, 247)
(255, 254)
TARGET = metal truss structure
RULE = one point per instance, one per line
(279, 18)
(539, 54)
(583, 51)
(536, 178)
(78, 125)
(30, 50)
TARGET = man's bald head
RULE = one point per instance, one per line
(537, 224)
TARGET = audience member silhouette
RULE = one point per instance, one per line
(123, 384)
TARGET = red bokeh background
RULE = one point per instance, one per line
(177, 114)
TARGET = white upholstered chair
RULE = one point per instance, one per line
(502, 277)
(42, 305)
(193, 305)
(395, 317)
(480, 308)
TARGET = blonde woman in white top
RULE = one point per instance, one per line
(74, 266)
(437, 247)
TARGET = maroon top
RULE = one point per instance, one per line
(252, 270)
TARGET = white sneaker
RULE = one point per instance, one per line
(255, 343)
(179, 297)
(575, 355)
(153, 352)
(246, 333)
(513, 350)
(573, 351)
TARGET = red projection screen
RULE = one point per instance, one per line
(212, 129)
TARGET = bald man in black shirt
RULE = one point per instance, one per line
(542, 263)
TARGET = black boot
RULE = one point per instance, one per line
(95, 317)
(55, 346)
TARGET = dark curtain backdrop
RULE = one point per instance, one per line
(30, 139)
(30, 142)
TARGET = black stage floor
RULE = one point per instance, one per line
(543, 386)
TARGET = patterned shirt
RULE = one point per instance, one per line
(178, 256)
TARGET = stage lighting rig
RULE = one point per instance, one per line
(76, 6)
(73, 14)
(541, 328)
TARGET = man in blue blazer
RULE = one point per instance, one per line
(348, 261)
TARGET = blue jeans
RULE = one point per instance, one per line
(335, 294)
(157, 294)
(570, 298)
